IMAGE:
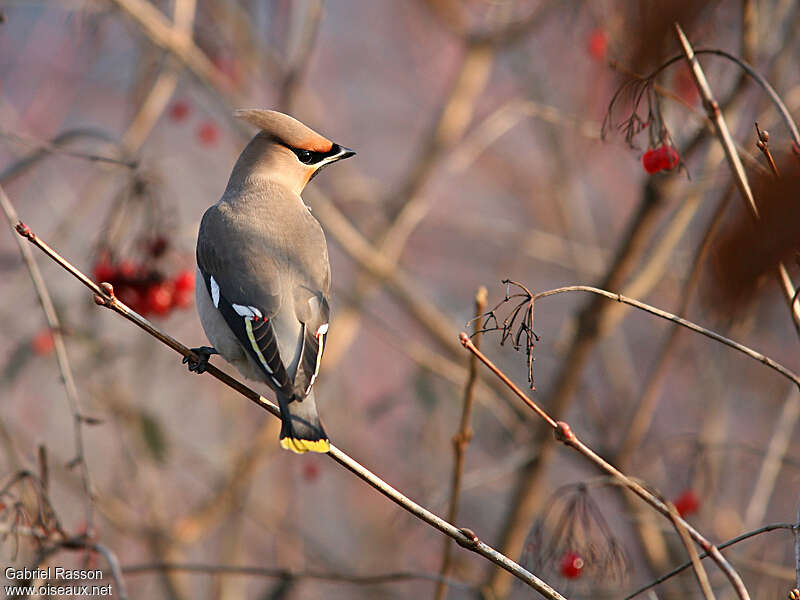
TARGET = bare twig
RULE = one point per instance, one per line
(722, 546)
(779, 443)
(157, 27)
(564, 434)
(61, 355)
(161, 91)
(700, 572)
(527, 497)
(796, 532)
(113, 563)
(721, 129)
(772, 364)
(103, 295)
(211, 569)
(53, 146)
(763, 145)
(460, 441)
(43, 146)
(56, 540)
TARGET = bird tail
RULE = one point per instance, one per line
(301, 430)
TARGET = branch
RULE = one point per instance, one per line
(82, 542)
(721, 129)
(103, 295)
(564, 434)
(460, 441)
(722, 546)
(44, 147)
(61, 355)
(55, 146)
(772, 364)
(699, 570)
(210, 569)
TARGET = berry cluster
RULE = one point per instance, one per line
(663, 158)
(207, 132)
(146, 290)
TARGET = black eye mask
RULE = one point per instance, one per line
(309, 157)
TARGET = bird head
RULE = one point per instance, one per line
(285, 150)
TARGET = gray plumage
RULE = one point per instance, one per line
(264, 278)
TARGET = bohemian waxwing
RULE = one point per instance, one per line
(263, 276)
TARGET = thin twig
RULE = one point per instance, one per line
(103, 295)
(58, 540)
(564, 434)
(62, 358)
(700, 572)
(779, 442)
(113, 564)
(772, 364)
(722, 546)
(54, 148)
(211, 569)
(763, 145)
(460, 441)
(157, 99)
(721, 129)
(796, 532)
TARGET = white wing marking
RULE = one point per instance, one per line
(246, 311)
(214, 291)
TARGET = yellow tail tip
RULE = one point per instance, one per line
(302, 446)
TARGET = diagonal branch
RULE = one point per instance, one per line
(721, 129)
(103, 295)
(61, 356)
(722, 546)
(772, 364)
(563, 433)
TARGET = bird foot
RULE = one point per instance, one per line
(200, 366)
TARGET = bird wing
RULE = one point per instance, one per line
(243, 283)
(313, 311)
(245, 270)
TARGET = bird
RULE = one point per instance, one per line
(263, 276)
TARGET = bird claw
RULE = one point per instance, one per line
(199, 366)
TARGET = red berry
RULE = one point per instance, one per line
(598, 45)
(687, 503)
(311, 470)
(128, 269)
(208, 133)
(132, 297)
(42, 342)
(652, 161)
(103, 271)
(669, 158)
(159, 297)
(184, 281)
(571, 565)
(183, 298)
(179, 110)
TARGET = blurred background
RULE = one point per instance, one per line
(478, 130)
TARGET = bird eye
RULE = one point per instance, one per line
(305, 156)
